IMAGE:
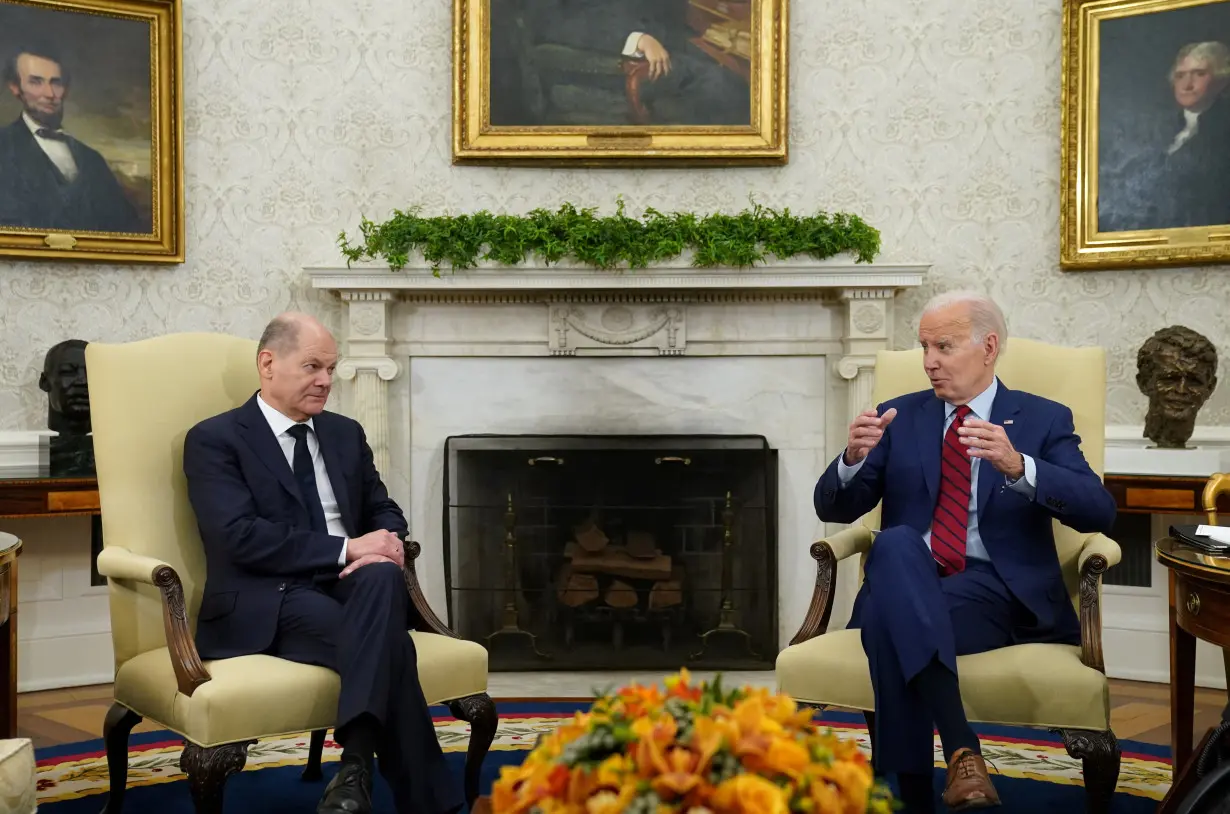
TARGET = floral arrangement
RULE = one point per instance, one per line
(693, 749)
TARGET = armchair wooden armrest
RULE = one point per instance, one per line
(121, 564)
(427, 622)
(827, 553)
(1097, 554)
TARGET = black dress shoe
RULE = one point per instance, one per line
(350, 790)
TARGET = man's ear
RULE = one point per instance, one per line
(43, 384)
(14, 89)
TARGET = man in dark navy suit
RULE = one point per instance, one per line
(303, 550)
(48, 178)
(971, 475)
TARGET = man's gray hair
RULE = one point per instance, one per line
(281, 335)
(1212, 53)
(985, 315)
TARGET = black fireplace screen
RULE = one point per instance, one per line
(613, 552)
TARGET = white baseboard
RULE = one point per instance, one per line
(65, 661)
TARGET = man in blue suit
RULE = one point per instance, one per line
(971, 475)
(303, 550)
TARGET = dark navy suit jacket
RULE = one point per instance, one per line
(903, 471)
(255, 526)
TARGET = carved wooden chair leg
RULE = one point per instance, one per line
(479, 712)
(116, 728)
(312, 772)
(1099, 754)
(208, 768)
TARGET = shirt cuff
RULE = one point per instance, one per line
(345, 544)
(846, 473)
(630, 45)
(1027, 484)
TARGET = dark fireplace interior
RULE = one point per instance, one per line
(613, 552)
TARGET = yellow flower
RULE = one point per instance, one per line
(749, 794)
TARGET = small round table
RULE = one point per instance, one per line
(1199, 609)
(10, 550)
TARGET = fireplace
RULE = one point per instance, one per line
(599, 552)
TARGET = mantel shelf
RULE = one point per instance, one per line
(790, 275)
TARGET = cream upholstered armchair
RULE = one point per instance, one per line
(1059, 687)
(144, 397)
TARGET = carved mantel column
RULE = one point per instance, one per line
(366, 362)
(868, 328)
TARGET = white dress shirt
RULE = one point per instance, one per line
(328, 500)
(1027, 485)
(1191, 125)
(56, 150)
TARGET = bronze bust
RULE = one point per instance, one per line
(65, 382)
(1176, 369)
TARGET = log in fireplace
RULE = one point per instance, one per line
(607, 552)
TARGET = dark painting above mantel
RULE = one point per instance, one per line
(613, 552)
(635, 82)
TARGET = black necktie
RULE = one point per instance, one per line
(305, 474)
(58, 135)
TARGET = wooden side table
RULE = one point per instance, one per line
(10, 549)
(1199, 609)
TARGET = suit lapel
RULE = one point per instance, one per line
(337, 474)
(1005, 406)
(928, 430)
(260, 438)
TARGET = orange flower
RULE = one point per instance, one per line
(773, 747)
(609, 801)
(749, 794)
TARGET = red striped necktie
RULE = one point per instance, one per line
(949, 524)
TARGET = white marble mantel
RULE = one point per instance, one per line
(412, 334)
(864, 292)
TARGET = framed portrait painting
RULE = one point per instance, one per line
(624, 82)
(1146, 123)
(91, 138)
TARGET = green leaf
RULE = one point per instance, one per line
(740, 240)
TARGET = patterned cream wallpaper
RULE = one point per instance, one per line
(937, 120)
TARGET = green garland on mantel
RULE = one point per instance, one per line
(740, 240)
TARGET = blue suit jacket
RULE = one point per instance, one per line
(255, 526)
(903, 471)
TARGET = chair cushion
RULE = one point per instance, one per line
(1024, 685)
(17, 781)
(260, 696)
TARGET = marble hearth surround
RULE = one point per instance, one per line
(784, 351)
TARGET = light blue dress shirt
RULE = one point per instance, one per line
(980, 407)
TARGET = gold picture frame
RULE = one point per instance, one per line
(91, 130)
(635, 83)
(1145, 111)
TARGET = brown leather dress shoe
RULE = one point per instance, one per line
(968, 786)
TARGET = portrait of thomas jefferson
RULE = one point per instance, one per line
(620, 62)
(75, 137)
(1165, 120)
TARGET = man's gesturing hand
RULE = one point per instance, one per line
(989, 442)
(865, 432)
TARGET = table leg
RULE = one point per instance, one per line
(1182, 688)
(8, 660)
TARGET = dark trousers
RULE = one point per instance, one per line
(909, 616)
(357, 626)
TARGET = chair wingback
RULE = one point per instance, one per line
(144, 397)
(1075, 377)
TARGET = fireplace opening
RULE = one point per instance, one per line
(613, 552)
